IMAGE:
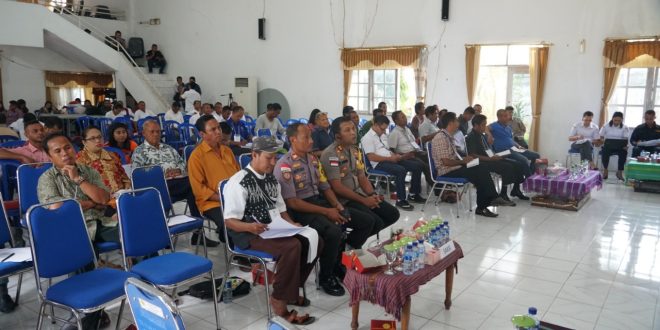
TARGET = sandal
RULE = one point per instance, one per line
(293, 318)
(301, 302)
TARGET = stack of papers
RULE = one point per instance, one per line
(472, 163)
(650, 143)
(282, 228)
(179, 219)
(516, 149)
(22, 254)
(503, 153)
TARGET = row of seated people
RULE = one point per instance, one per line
(327, 200)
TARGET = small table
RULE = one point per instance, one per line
(393, 291)
(561, 192)
(643, 176)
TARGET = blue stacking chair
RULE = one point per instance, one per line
(188, 134)
(154, 176)
(151, 308)
(458, 185)
(186, 119)
(171, 133)
(161, 118)
(378, 175)
(8, 269)
(362, 122)
(60, 247)
(168, 270)
(8, 178)
(278, 323)
(244, 159)
(187, 151)
(264, 132)
(303, 121)
(104, 125)
(289, 122)
(28, 177)
(234, 251)
(249, 119)
(83, 122)
(119, 154)
(12, 144)
(7, 138)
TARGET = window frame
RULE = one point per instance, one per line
(372, 103)
(651, 99)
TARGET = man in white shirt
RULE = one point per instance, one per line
(217, 111)
(225, 115)
(402, 141)
(206, 109)
(459, 142)
(428, 129)
(191, 96)
(269, 120)
(375, 146)
(174, 113)
(585, 135)
(118, 110)
(141, 112)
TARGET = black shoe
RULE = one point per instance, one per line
(7, 305)
(520, 195)
(404, 205)
(417, 199)
(194, 240)
(486, 213)
(499, 201)
(332, 287)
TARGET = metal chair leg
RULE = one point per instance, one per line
(121, 311)
(215, 299)
(18, 288)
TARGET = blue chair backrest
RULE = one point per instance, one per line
(119, 154)
(83, 122)
(249, 119)
(5, 232)
(434, 172)
(161, 118)
(133, 225)
(60, 244)
(171, 129)
(104, 125)
(152, 176)
(264, 132)
(28, 178)
(141, 122)
(290, 121)
(303, 120)
(151, 308)
(186, 118)
(244, 159)
(221, 186)
(365, 159)
(187, 151)
(189, 133)
(362, 122)
(12, 144)
(7, 138)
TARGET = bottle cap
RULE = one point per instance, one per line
(532, 310)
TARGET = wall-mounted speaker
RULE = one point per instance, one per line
(445, 10)
(262, 28)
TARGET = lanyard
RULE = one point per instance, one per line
(451, 142)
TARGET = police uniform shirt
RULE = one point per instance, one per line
(300, 177)
(344, 164)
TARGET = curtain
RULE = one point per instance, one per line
(347, 85)
(380, 58)
(61, 96)
(538, 67)
(610, 76)
(420, 75)
(73, 80)
(471, 70)
(619, 52)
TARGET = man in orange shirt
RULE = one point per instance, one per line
(211, 162)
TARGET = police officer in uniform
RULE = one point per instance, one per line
(342, 163)
(302, 181)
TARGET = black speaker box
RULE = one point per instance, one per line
(445, 10)
(262, 28)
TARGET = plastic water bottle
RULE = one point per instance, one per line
(408, 266)
(433, 237)
(227, 294)
(415, 256)
(531, 312)
(422, 253)
(441, 236)
(446, 223)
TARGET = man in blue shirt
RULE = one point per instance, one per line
(241, 133)
(503, 140)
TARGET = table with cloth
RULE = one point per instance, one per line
(643, 176)
(562, 191)
(393, 291)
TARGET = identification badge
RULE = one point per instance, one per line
(237, 138)
(489, 153)
(273, 214)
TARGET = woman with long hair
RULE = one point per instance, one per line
(615, 135)
(118, 138)
(312, 119)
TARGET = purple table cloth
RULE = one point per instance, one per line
(560, 186)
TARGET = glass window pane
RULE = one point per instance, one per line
(657, 95)
(491, 89)
(622, 80)
(364, 104)
(390, 91)
(518, 55)
(634, 116)
(638, 77)
(390, 76)
(354, 76)
(492, 55)
(364, 90)
(619, 96)
(353, 101)
(364, 76)
(379, 91)
(354, 90)
(635, 96)
(390, 105)
(378, 76)
(611, 109)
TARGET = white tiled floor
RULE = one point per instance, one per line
(597, 268)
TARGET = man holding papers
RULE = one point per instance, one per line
(584, 137)
(646, 137)
(510, 171)
(253, 202)
(503, 140)
(402, 141)
(449, 164)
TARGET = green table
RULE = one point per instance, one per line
(643, 176)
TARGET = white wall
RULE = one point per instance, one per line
(217, 40)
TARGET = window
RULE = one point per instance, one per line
(504, 80)
(392, 86)
(637, 90)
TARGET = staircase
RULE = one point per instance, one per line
(63, 32)
(163, 83)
